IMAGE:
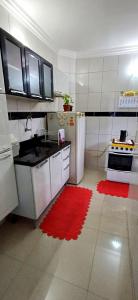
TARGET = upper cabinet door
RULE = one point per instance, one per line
(33, 74)
(47, 80)
(13, 65)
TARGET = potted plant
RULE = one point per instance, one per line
(67, 102)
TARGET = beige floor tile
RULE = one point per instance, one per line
(51, 288)
(114, 207)
(111, 276)
(23, 285)
(8, 269)
(92, 221)
(91, 296)
(113, 243)
(21, 246)
(73, 262)
(114, 225)
(44, 252)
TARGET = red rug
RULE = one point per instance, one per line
(67, 216)
(112, 188)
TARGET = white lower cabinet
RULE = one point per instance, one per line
(38, 185)
(56, 173)
(8, 190)
(34, 189)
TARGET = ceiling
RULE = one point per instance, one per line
(83, 25)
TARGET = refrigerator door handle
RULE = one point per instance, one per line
(5, 157)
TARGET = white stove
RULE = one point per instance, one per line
(120, 161)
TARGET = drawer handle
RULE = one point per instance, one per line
(66, 148)
(57, 154)
(41, 164)
(66, 158)
(66, 167)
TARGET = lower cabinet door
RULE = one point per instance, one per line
(41, 186)
(56, 173)
(8, 190)
(65, 174)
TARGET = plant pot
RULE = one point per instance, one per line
(71, 107)
(66, 107)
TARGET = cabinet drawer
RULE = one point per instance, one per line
(65, 162)
(65, 174)
(65, 152)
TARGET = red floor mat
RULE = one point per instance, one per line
(112, 188)
(67, 215)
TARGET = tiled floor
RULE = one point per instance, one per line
(97, 266)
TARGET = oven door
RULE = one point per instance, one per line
(120, 161)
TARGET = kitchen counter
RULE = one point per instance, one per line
(34, 151)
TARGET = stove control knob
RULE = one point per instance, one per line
(112, 147)
(131, 149)
(126, 149)
(116, 148)
(121, 148)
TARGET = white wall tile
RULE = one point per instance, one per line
(119, 123)
(104, 140)
(38, 124)
(94, 102)
(92, 141)
(72, 83)
(110, 63)
(11, 104)
(82, 83)
(106, 125)
(91, 160)
(81, 102)
(110, 81)
(82, 65)
(92, 125)
(14, 128)
(131, 127)
(95, 64)
(95, 82)
(23, 105)
(102, 159)
(108, 101)
(22, 134)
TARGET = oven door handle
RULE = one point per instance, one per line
(122, 154)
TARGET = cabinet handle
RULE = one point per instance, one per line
(66, 167)
(42, 163)
(37, 96)
(66, 158)
(66, 148)
(17, 92)
(57, 154)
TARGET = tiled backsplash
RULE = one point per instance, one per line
(17, 127)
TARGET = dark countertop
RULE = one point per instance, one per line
(35, 151)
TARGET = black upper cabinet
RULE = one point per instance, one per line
(13, 65)
(33, 68)
(47, 80)
(25, 72)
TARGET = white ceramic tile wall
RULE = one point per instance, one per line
(107, 75)
(17, 128)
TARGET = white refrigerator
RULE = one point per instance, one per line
(8, 190)
(74, 125)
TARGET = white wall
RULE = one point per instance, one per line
(98, 85)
